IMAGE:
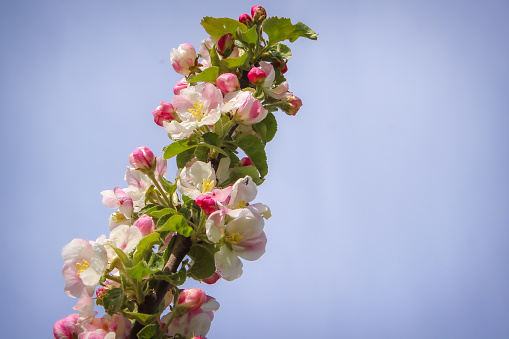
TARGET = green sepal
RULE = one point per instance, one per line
(178, 147)
(143, 318)
(203, 261)
(113, 300)
(209, 74)
(255, 150)
(146, 243)
(280, 29)
(150, 331)
(177, 223)
(241, 172)
(217, 27)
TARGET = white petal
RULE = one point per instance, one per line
(228, 264)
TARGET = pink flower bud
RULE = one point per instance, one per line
(228, 82)
(293, 104)
(225, 45)
(246, 109)
(191, 299)
(207, 203)
(145, 224)
(256, 75)
(281, 66)
(164, 112)
(143, 159)
(245, 19)
(258, 13)
(212, 279)
(66, 328)
(180, 86)
(183, 59)
(245, 162)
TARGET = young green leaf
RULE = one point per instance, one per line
(254, 149)
(142, 318)
(149, 332)
(209, 74)
(271, 124)
(177, 223)
(146, 243)
(178, 147)
(280, 29)
(217, 27)
(113, 300)
(184, 157)
(203, 262)
(241, 172)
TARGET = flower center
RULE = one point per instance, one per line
(118, 217)
(83, 267)
(207, 185)
(197, 112)
(233, 238)
(241, 204)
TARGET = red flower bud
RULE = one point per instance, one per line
(164, 112)
(258, 13)
(143, 159)
(256, 75)
(191, 299)
(225, 45)
(245, 19)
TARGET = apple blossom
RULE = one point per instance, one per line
(207, 203)
(200, 179)
(228, 82)
(245, 162)
(293, 104)
(246, 109)
(118, 198)
(125, 238)
(164, 112)
(145, 224)
(143, 159)
(194, 323)
(183, 58)
(224, 45)
(178, 87)
(196, 106)
(258, 13)
(191, 299)
(66, 328)
(245, 19)
(84, 264)
(256, 75)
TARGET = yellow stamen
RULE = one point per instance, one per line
(197, 111)
(83, 267)
(233, 238)
(241, 204)
(118, 217)
(207, 185)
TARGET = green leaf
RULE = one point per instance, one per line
(217, 27)
(161, 212)
(261, 129)
(168, 186)
(241, 61)
(280, 29)
(142, 317)
(184, 157)
(149, 208)
(203, 262)
(140, 271)
(241, 172)
(271, 124)
(156, 262)
(284, 51)
(150, 332)
(178, 147)
(175, 279)
(249, 37)
(177, 223)
(121, 255)
(146, 243)
(234, 159)
(211, 138)
(113, 300)
(209, 74)
(202, 153)
(254, 149)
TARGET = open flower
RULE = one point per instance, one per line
(196, 106)
(84, 264)
(246, 109)
(183, 58)
(242, 236)
(200, 179)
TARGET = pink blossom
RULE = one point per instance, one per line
(212, 279)
(66, 328)
(191, 299)
(293, 104)
(224, 45)
(245, 19)
(118, 198)
(145, 224)
(183, 59)
(179, 86)
(207, 203)
(256, 75)
(114, 327)
(246, 109)
(143, 159)
(164, 112)
(193, 323)
(258, 13)
(227, 82)
(245, 162)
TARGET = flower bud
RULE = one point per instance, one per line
(228, 82)
(258, 13)
(143, 159)
(293, 104)
(281, 66)
(164, 112)
(206, 203)
(183, 59)
(191, 299)
(245, 162)
(66, 328)
(180, 86)
(145, 224)
(245, 19)
(225, 45)
(246, 109)
(256, 75)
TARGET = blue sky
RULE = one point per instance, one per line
(389, 189)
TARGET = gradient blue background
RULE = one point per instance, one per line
(389, 190)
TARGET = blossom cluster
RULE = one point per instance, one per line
(201, 224)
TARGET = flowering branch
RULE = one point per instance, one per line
(200, 225)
